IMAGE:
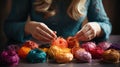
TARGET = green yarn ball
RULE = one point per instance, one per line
(36, 56)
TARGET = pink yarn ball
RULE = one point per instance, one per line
(104, 45)
(83, 56)
(88, 46)
(9, 57)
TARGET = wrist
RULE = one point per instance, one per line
(98, 29)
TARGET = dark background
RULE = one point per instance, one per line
(112, 7)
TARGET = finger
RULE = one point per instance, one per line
(85, 28)
(88, 33)
(82, 31)
(41, 38)
(43, 33)
(82, 38)
(45, 28)
(90, 37)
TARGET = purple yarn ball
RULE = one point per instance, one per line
(115, 46)
(104, 45)
(9, 57)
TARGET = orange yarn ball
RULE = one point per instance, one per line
(111, 56)
(63, 57)
(23, 51)
(53, 50)
(72, 42)
(61, 42)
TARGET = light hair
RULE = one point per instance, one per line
(75, 9)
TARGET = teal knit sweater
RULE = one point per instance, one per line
(61, 22)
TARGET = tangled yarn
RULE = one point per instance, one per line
(9, 57)
(61, 42)
(63, 57)
(97, 53)
(36, 56)
(115, 46)
(74, 49)
(104, 45)
(23, 51)
(88, 46)
(83, 56)
(53, 50)
(72, 42)
(111, 56)
(30, 44)
(60, 55)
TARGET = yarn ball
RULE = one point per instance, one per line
(13, 47)
(61, 42)
(36, 56)
(111, 56)
(83, 56)
(88, 46)
(9, 57)
(30, 44)
(97, 53)
(53, 50)
(72, 42)
(104, 45)
(74, 49)
(115, 46)
(23, 52)
(63, 57)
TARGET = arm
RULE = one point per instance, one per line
(15, 22)
(96, 13)
(15, 31)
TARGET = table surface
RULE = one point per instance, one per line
(95, 63)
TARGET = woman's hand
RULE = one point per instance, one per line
(89, 31)
(40, 31)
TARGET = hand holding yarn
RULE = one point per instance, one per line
(89, 31)
(40, 31)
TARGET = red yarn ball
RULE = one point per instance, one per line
(31, 44)
(97, 53)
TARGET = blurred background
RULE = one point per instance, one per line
(112, 7)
